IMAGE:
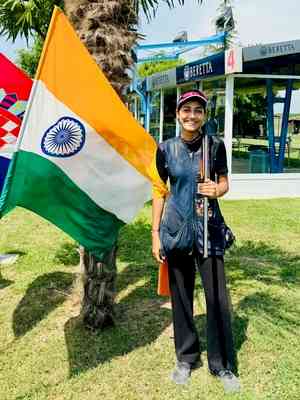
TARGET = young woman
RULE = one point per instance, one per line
(177, 234)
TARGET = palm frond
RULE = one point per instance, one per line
(19, 17)
(149, 7)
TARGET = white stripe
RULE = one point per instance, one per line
(97, 169)
(7, 150)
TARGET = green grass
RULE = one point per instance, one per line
(45, 353)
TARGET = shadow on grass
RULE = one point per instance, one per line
(140, 315)
(67, 254)
(272, 310)
(140, 320)
(43, 295)
(4, 282)
(270, 313)
(18, 252)
(239, 330)
(262, 262)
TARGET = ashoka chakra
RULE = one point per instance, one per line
(64, 139)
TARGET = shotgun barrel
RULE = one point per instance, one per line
(209, 129)
(205, 200)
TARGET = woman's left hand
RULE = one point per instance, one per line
(209, 189)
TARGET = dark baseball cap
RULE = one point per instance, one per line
(192, 95)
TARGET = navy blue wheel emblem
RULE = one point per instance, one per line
(64, 139)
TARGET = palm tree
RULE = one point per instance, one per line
(225, 22)
(109, 29)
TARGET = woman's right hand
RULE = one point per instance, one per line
(156, 246)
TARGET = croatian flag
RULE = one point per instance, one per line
(15, 88)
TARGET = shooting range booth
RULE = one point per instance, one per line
(254, 97)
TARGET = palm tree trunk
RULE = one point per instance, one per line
(97, 309)
(108, 30)
(106, 27)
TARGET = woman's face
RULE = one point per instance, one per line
(191, 116)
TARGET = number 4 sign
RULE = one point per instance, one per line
(233, 60)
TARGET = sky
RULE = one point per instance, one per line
(257, 21)
(9, 48)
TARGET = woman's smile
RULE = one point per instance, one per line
(191, 117)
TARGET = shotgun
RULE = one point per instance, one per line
(209, 129)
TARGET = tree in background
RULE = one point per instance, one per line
(28, 59)
(225, 23)
(149, 68)
(26, 18)
(109, 30)
(249, 114)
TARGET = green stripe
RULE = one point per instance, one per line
(37, 184)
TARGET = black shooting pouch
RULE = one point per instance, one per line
(228, 236)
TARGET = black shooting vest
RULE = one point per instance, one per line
(181, 229)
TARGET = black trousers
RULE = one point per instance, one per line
(220, 348)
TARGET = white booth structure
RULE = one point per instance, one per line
(254, 95)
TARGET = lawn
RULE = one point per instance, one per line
(45, 352)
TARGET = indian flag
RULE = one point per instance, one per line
(82, 160)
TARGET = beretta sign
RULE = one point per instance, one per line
(161, 79)
(200, 69)
(271, 50)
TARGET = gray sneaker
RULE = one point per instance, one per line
(181, 373)
(230, 382)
